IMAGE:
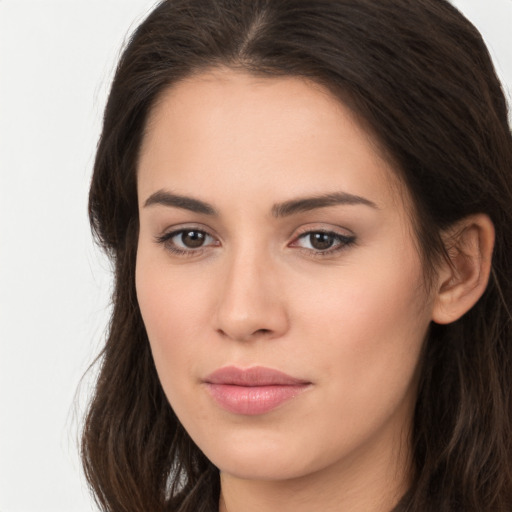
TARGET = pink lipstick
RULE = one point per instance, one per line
(254, 390)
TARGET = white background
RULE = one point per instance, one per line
(56, 62)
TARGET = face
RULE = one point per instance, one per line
(278, 278)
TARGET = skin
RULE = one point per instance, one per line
(351, 322)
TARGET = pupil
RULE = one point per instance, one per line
(192, 239)
(321, 241)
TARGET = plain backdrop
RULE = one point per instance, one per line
(56, 61)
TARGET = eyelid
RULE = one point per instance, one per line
(323, 228)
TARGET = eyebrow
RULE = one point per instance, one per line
(186, 203)
(322, 201)
(284, 209)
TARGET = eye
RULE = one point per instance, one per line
(323, 242)
(188, 240)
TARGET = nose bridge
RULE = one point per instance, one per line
(250, 303)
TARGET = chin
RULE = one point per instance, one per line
(262, 468)
(262, 457)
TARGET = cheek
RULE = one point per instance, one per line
(367, 323)
(377, 298)
(171, 311)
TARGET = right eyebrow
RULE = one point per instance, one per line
(164, 198)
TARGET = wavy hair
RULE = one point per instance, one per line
(420, 78)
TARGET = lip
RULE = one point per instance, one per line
(252, 391)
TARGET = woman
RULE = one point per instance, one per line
(308, 205)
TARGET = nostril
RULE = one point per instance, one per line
(255, 334)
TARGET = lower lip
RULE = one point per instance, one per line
(253, 400)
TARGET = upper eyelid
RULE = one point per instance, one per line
(322, 228)
(169, 230)
(170, 233)
(340, 236)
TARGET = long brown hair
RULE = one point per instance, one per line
(418, 75)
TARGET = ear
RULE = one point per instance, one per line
(463, 276)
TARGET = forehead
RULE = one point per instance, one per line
(238, 132)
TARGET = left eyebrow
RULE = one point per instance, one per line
(305, 204)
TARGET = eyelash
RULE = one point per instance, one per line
(341, 242)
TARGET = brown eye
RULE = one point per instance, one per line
(186, 241)
(323, 242)
(192, 239)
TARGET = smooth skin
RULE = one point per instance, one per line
(233, 269)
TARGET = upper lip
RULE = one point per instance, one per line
(252, 377)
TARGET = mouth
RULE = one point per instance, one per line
(252, 391)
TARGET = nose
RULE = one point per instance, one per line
(251, 302)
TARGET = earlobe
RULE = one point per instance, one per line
(463, 276)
